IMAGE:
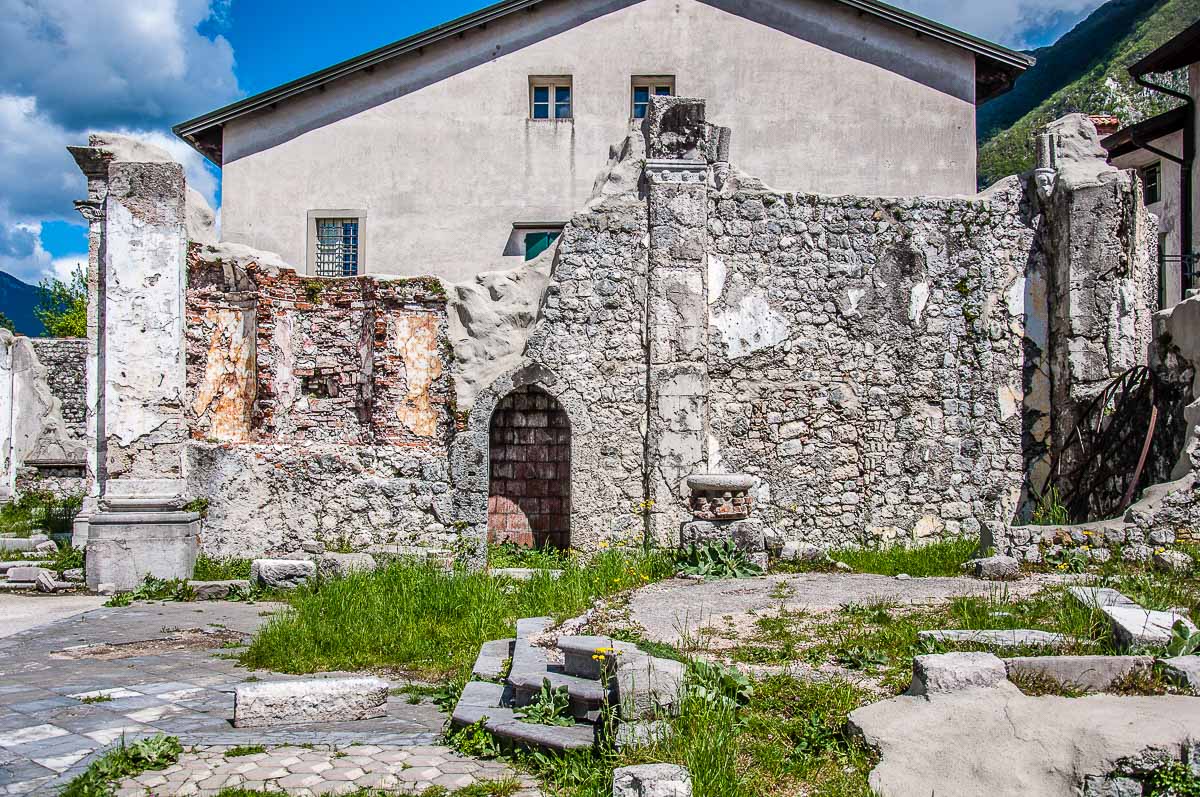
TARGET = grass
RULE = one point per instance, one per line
(96, 699)
(103, 774)
(943, 558)
(220, 569)
(790, 738)
(423, 620)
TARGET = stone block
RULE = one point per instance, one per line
(218, 590)
(578, 653)
(953, 672)
(15, 544)
(996, 568)
(257, 705)
(47, 548)
(74, 574)
(337, 565)
(1172, 562)
(282, 573)
(124, 547)
(1183, 670)
(646, 685)
(27, 575)
(47, 583)
(801, 552)
(700, 532)
(1133, 625)
(1086, 673)
(652, 780)
(748, 535)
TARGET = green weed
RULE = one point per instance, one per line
(244, 750)
(220, 569)
(103, 774)
(550, 707)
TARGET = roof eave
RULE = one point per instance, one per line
(200, 131)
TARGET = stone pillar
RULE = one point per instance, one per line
(1103, 280)
(136, 378)
(677, 173)
(8, 471)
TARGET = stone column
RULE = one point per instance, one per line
(136, 378)
(8, 474)
(677, 174)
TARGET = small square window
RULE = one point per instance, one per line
(1152, 183)
(646, 85)
(550, 98)
(335, 243)
(538, 242)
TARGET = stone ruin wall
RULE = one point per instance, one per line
(319, 409)
(866, 360)
(887, 368)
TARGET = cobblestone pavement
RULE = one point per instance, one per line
(72, 688)
(309, 771)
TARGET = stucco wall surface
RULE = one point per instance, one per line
(439, 149)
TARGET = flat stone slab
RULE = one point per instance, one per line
(1086, 673)
(952, 672)
(6, 566)
(493, 658)
(1004, 638)
(1133, 625)
(1001, 743)
(1183, 670)
(26, 574)
(311, 700)
(1099, 597)
(532, 626)
(217, 590)
(338, 565)
(18, 543)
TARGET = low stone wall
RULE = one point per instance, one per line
(269, 498)
(1168, 513)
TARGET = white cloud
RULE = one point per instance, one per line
(71, 67)
(1007, 22)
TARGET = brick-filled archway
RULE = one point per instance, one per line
(529, 479)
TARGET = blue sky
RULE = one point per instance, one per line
(159, 62)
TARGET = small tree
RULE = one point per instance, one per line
(62, 306)
(6, 323)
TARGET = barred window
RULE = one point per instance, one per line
(337, 248)
(646, 85)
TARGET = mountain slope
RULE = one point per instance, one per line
(17, 300)
(1066, 60)
(1102, 85)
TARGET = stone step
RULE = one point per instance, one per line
(581, 654)
(490, 664)
(481, 700)
(587, 696)
(532, 626)
(6, 566)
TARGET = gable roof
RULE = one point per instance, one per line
(996, 67)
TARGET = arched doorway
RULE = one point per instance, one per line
(529, 471)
